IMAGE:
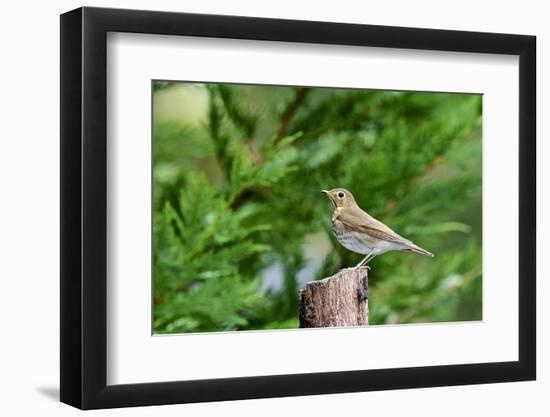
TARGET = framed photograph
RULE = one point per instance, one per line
(258, 208)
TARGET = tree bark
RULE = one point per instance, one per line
(339, 300)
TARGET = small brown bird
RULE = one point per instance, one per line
(361, 233)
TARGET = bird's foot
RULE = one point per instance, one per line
(362, 267)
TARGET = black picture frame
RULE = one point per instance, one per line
(84, 207)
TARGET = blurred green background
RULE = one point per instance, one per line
(240, 224)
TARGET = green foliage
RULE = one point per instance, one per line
(240, 225)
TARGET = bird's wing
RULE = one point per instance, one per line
(357, 219)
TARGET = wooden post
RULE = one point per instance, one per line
(339, 300)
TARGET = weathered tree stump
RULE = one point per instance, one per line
(339, 300)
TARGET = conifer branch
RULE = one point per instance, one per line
(299, 97)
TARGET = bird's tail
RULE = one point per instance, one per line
(413, 248)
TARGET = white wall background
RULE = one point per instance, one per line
(29, 236)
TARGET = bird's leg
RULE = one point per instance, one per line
(366, 259)
(371, 258)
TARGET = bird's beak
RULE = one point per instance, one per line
(327, 193)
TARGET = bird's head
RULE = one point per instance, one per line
(340, 197)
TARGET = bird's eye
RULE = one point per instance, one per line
(341, 194)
